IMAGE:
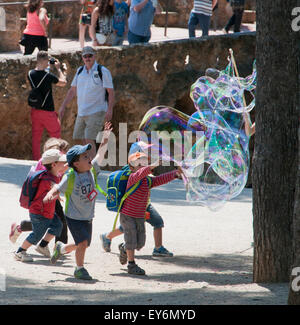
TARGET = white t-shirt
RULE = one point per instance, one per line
(91, 90)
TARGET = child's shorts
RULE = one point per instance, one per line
(81, 230)
(134, 231)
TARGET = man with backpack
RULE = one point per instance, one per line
(93, 86)
(40, 99)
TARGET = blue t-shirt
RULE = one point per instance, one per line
(120, 16)
(139, 22)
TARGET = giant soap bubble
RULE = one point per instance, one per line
(211, 146)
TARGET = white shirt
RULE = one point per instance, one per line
(91, 90)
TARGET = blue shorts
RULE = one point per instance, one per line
(155, 219)
(81, 230)
(41, 225)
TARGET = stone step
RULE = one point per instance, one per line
(249, 16)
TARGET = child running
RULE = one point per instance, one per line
(41, 213)
(26, 225)
(133, 211)
(80, 207)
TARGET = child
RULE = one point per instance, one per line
(42, 214)
(120, 21)
(155, 220)
(81, 203)
(25, 225)
(133, 211)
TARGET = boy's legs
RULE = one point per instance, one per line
(204, 21)
(64, 232)
(40, 225)
(135, 237)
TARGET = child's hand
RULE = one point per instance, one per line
(106, 132)
(179, 172)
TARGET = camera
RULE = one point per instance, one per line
(52, 61)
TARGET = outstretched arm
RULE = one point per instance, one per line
(51, 195)
(103, 145)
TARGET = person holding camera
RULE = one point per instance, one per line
(85, 20)
(43, 115)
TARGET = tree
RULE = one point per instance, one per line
(275, 160)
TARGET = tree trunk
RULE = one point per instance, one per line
(294, 293)
(276, 143)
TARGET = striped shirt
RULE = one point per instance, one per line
(136, 204)
(202, 7)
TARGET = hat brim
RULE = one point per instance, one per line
(82, 150)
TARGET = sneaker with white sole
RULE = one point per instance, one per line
(161, 251)
(15, 232)
(43, 250)
(23, 257)
(106, 243)
(56, 252)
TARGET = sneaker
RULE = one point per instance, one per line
(23, 257)
(56, 252)
(123, 254)
(82, 274)
(43, 250)
(14, 233)
(161, 251)
(105, 243)
(135, 269)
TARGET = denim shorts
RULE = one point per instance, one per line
(40, 225)
(155, 219)
(81, 230)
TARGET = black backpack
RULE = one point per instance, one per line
(35, 97)
(99, 68)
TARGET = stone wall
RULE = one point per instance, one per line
(138, 85)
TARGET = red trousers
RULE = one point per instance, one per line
(43, 120)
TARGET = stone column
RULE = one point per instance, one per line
(9, 27)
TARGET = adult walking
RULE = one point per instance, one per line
(93, 86)
(200, 15)
(140, 20)
(236, 19)
(35, 34)
(45, 116)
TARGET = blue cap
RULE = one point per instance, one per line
(76, 151)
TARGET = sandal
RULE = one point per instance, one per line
(135, 269)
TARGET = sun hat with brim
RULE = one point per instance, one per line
(76, 151)
(52, 155)
(134, 158)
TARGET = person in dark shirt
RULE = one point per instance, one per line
(45, 117)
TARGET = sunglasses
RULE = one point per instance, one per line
(87, 56)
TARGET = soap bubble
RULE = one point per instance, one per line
(211, 145)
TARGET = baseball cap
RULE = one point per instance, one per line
(88, 50)
(132, 159)
(76, 151)
(139, 146)
(52, 155)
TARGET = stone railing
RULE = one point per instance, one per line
(144, 76)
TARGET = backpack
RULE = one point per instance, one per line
(30, 187)
(99, 68)
(70, 185)
(116, 190)
(35, 97)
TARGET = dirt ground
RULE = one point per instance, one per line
(212, 263)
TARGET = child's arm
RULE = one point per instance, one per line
(51, 195)
(166, 177)
(103, 145)
(138, 175)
